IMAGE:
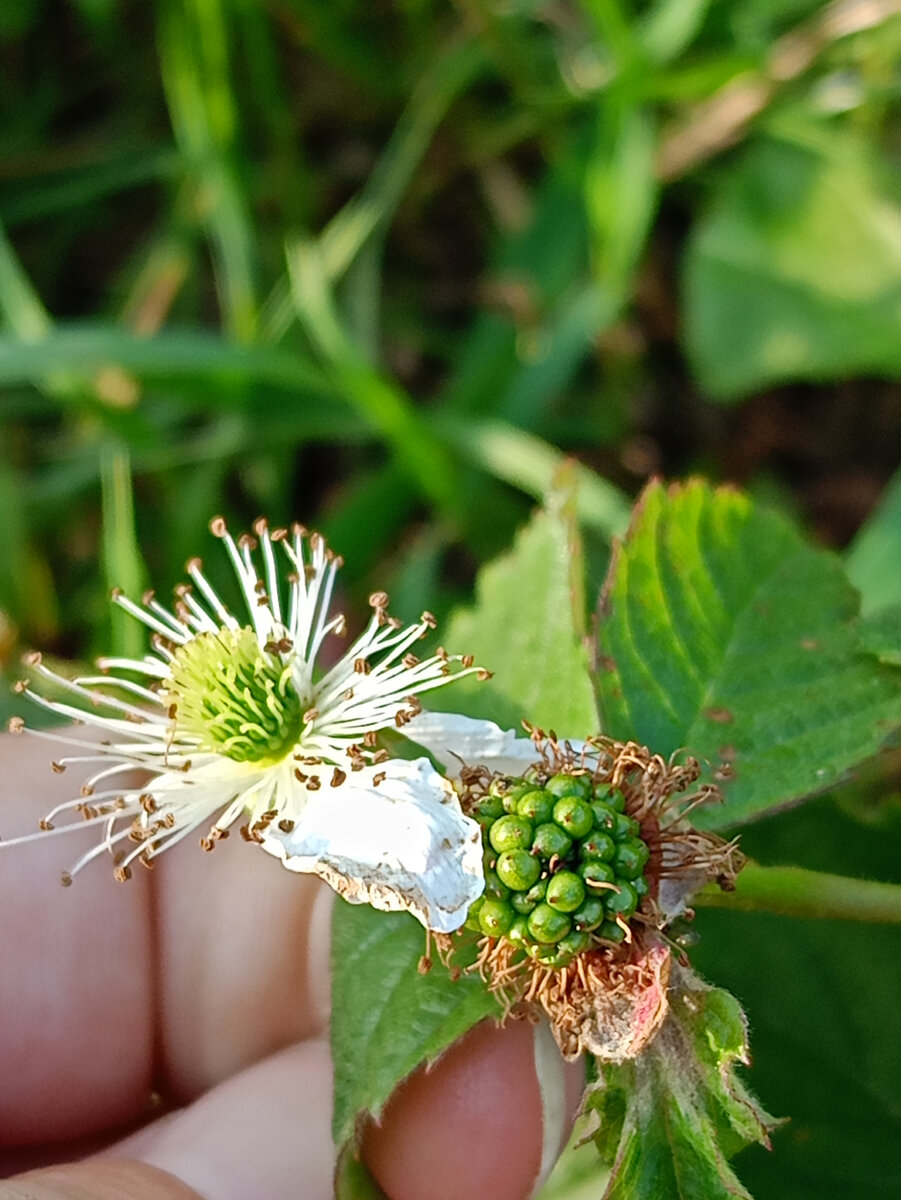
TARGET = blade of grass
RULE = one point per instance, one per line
(373, 207)
(532, 465)
(123, 566)
(193, 46)
(369, 213)
(26, 587)
(381, 401)
(79, 186)
(20, 304)
(203, 360)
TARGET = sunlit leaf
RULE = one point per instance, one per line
(723, 632)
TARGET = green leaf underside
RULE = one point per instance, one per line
(386, 1017)
(724, 633)
(873, 560)
(527, 627)
(670, 1118)
(793, 273)
(880, 634)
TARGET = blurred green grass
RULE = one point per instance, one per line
(384, 267)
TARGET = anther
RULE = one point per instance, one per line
(338, 777)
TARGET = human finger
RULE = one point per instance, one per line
(490, 1118)
(263, 1132)
(174, 980)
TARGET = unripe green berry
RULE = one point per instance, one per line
(549, 840)
(524, 901)
(604, 817)
(472, 917)
(494, 886)
(630, 858)
(548, 925)
(625, 827)
(574, 943)
(487, 809)
(610, 796)
(590, 912)
(518, 869)
(545, 954)
(574, 816)
(521, 902)
(622, 903)
(495, 917)
(570, 785)
(641, 886)
(511, 833)
(518, 933)
(505, 791)
(598, 845)
(537, 805)
(611, 932)
(592, 870)
(565, 891)
(501, 787)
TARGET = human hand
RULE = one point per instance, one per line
(169, 1033)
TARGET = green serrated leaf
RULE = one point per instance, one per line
(723, 632)
(527, 627)
(386, 1017)
(353, 1180)
(669, 1119)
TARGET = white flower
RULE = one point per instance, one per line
(239, 721)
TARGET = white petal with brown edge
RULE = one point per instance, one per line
(456, 740)
(402, 844)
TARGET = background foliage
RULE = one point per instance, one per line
(384, 266)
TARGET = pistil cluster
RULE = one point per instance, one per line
(588, 857)
(564, 866)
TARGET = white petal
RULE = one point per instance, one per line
(455, 740)
(401, 845)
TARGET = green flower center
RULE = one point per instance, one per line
(235, 696)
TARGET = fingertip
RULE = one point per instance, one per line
(480, 1122)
